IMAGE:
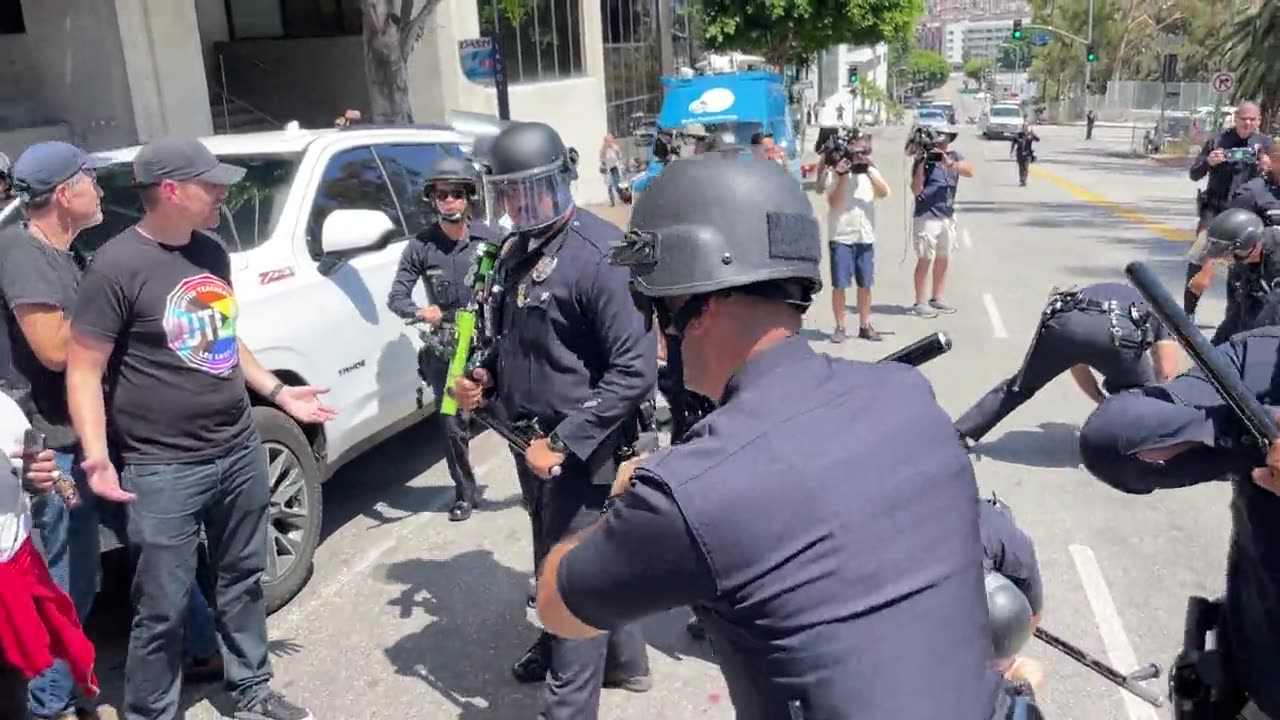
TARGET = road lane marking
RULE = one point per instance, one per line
(993, 312)
(1122, 210)
(964, 238)
(1114, 639)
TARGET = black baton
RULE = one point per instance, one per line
(506, 432)
(1130, 683)
(1223, 377)
(921, 351)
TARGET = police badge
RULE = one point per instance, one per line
(543, 269)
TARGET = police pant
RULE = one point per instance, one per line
(1024, 164)
(558, 508)
(459, 429)
(1068, 338)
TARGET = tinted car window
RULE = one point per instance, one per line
(353, 180)
(406, 168)
(249, 214)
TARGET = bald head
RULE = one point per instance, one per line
(1248, 116)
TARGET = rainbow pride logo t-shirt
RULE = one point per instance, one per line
(200, 324)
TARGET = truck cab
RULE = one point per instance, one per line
(733, 93)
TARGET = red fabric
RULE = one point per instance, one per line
(38, 622)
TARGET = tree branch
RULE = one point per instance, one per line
(412, 29)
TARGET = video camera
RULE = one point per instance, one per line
(844, 146)
(924, 142)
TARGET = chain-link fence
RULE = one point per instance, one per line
(1139, 101)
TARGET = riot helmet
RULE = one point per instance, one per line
(456, 172)
(1233, 235)
(1010, 614)
(528, 188)
(699, 230)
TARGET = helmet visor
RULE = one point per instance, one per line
(530, 200)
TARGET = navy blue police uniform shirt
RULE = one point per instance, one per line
(1125, 366)
(1226, 177)
(433, 251)
(573, 351)
(1188, 409)
(835, 573)
(1009, 551)
(1260, 196)
(937, 199)
(1253, 295)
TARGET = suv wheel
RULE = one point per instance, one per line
(295, 508)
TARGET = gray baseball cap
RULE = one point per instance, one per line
(44, 166)
(181, 160)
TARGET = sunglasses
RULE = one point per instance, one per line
(443, 195)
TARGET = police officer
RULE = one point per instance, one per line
(1239, 237)
(1022, 148)
(1106, 327)
(441, 256)
(1015, 592)
(1261, 195)
(1229, 160)
(816, 602)
(1181, 433)
(573, 355)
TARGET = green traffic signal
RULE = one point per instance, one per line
(1090, 55)
(853, 75)
(1017, 29)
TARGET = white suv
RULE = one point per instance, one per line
(315, 231)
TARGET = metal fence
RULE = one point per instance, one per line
(1139, 101)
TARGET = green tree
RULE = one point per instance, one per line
(1252, 49)
(1015, 55)
(977, 68)
(789, 31)
(928, 69)
(391, 31)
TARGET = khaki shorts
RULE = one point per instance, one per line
(934, 237)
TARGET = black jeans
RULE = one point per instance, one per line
(228, 495)
(13, 694)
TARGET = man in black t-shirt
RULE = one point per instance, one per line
(156, 316)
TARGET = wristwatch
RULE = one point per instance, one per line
(609, 502)
(275, 391)
(556, 444)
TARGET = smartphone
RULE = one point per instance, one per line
(34, 442)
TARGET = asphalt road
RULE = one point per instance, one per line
(411, 615)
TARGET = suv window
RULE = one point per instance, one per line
(249, 214)
(406, 167)
(353, 180)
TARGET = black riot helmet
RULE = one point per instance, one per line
(528, 188)
(1010, 614)
(451, 171)
(1233, 234)
(699, 230)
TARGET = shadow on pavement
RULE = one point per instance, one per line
(1054, 445)
(464, 609)
(666, 633)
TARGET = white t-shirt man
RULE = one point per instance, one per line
(856, 223)
(15, 515)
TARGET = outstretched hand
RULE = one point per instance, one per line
(302, 402)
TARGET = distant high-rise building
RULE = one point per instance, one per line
(960, 10)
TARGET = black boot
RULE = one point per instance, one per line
(532, 667)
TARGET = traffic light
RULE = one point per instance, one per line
(1090, 55)
(1017, 29)
(853, 74)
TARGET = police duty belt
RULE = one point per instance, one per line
(1070, 300)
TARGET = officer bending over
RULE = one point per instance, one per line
(1015, 593)
(441, 257)
(573, 355)
(1106, 327)
(1240, 238)
(789, 549)
(1181, 433)
(1229, 160)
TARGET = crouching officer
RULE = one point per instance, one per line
(1107, 327)
(574, 357)
(442, 256)
(1015, 593)
(1240, 238)
(1182, 433)
(816, 602)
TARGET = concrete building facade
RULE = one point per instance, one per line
(872, 62)
(108, 73)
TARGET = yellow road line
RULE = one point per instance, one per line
(1120, 209)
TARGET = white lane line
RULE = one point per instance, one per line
(1109, 626)
(964, 239)
(993, 312)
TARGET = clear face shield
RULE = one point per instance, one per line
(530, 200)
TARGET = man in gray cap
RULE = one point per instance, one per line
(38, 279)
(157, 309)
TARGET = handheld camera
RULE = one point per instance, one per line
(847, 144)
(924, 143)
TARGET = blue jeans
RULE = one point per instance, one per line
(228, 497)
(200, 639)
(70, 542)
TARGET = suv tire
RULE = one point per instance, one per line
(295, 509)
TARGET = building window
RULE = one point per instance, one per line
(293, 18)
(11, 20)
(539, 39)
(632, 61)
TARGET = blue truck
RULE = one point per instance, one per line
(741, 101)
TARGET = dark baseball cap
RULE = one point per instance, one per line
(181, 160)
(44, 166)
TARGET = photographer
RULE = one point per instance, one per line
(1229, 161)
(934, 177)
(851, 230)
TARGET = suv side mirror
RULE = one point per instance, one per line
(348, 231)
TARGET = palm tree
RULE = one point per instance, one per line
(1253, 49)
